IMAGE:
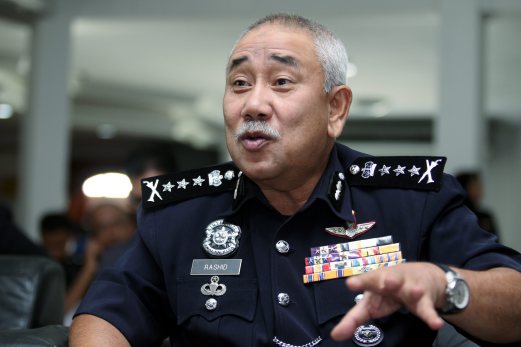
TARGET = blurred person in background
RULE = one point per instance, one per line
(111, 230)
(13, 240)
(58, 235)
(114, 228)
(471, 182)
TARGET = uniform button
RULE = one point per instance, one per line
(283, 299)
(211, 304)
(282, 246)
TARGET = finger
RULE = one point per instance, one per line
(380, 306)
(429, 315)
(355, 317)
(423, 307)
(379, 281)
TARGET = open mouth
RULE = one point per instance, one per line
(253, 141)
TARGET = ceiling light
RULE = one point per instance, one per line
(107, 185)
(6, 111)
(106, 131)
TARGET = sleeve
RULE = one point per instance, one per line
(452, 234)
(131, 295)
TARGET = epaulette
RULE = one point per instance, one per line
(422, 173)
(165, 189)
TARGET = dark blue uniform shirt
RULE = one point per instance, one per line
(150, 294)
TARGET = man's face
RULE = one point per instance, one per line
(274, 76)
(110, 225)
(55, 242)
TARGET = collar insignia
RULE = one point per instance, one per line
(337, 188)
(165, 189)
(421, 173)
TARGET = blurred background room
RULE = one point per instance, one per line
(86, 87)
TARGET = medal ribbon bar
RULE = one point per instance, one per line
(349, 246)
(336, 265)
(332, 274)
(356, 253)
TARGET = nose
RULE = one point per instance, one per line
(258, 103)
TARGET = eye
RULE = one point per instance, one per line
(282, 81)
(240, 83)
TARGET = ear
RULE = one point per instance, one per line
(339, 103)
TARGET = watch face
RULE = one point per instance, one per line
(461, 294)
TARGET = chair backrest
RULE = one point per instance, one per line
(32, 291)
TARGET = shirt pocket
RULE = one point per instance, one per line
(239, 300)
(332, 299)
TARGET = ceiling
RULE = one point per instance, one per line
(156, 68)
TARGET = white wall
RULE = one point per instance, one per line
(502, 174)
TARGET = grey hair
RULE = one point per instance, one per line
(330, 50)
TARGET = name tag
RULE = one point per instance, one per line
(216, 267)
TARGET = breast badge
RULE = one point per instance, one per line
(222, 239)
(368, 335)
(351, 230)
(214, 288)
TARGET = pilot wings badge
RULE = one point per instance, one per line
(352, 230)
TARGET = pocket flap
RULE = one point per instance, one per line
(240, 298)
(333, 299)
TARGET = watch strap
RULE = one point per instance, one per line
(449, 306)
(444, 267)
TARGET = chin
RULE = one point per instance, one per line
(256, 170)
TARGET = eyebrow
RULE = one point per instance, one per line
(286, 60)
(283, 59)
(236, 62)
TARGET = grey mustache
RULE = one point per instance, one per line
(257, 126)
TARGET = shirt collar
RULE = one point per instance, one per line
(332, 188)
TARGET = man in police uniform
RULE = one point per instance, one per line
(255, 252)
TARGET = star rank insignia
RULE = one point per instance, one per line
(422, 173)
(177, 187)
(198, 181)
(414, 171)
(182, 184)
(168, 187)
(400, 170)
(384, 170)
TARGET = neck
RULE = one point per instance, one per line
(289, 195)
(287, 202)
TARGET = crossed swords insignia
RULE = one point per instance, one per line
(153, 187)
(427, 172)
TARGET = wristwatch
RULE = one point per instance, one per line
(457, 293)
